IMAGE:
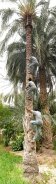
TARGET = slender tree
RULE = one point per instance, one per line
(27, 14)
(45, 43)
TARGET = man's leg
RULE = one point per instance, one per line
(36, 122)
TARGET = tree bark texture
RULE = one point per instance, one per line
(47, 130)
(30, 160)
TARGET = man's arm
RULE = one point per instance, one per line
(32, 111)
(29, 110)
(35, 112)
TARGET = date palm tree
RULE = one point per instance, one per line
(45, 47)
(42, 47)
(26, 12)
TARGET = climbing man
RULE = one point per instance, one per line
(37, 123)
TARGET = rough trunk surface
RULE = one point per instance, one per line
(47, 130)
(47, 134)
(30, 160)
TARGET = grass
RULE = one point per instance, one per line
(10, 171)
(46, 177)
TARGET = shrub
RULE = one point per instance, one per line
(11, 120)
(53, 108)
(9, 132)
(17, 145)
(1, 136)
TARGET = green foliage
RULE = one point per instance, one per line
(45, 38)
(5, 113)
(7, 123)
(53, 108)
(9, 132)
(11, 120)
(45, 43)
(16, 62)
(46, 177)
(17, 145)
(19, 113)
(6, 14)
(10, 170)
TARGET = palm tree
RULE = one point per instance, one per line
(46, 45)
(27, 14)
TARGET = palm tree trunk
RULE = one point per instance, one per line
(47, 131)
(30, 161)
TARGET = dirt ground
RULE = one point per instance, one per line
(46, 163)
(47, 156)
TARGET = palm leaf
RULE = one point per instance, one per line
(16, 62)
(53, 69)
(9, 34)
(6, 14)
(53, 11)
(43, 2)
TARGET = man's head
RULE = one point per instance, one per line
(35, 109)
(30, 79)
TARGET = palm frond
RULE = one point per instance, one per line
(51, 34)
(16, 62)
(53, 68)
(42, 2)
(53, 11)
(51, 23)
(27, 8)
(12, 46)
(10, 33)
(44, 14)
(6, 14)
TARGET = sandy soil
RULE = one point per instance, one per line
(46, 163)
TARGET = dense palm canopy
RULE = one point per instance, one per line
(45, 38)
(27, 12)
(45, 46)
(27, 18)
(23, 8)
(45, 42)
(16, 62)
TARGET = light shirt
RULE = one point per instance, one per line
(37, 114)
(32, 84)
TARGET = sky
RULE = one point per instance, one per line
(5, 85)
